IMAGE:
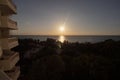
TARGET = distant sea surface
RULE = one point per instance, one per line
(80, 39)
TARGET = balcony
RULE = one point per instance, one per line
(8, 43)
(4, 76)
(8, 60)
(14, 73)
(7, 7)
(7, 23)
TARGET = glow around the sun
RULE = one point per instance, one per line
(62, 28)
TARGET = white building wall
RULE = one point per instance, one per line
(0, 18)
(5, 33)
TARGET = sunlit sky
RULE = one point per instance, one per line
(81, 17)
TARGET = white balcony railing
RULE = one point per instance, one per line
(8, 23)
(8, 61)
(8, 43)
(8, 6)
(14, 73)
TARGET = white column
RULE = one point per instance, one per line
(0, 50)
(0, 17)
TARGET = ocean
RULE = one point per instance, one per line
(80, 39)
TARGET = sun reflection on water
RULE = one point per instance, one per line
(62, 38)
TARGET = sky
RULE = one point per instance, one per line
(81, 17)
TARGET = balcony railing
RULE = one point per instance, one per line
(8, 43)
(11, 2)
(12, 24)
(14, 73)
(8, 61)
(9, 6)
(8, 23)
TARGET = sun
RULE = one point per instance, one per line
(62, 28)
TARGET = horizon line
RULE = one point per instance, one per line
(64, 35)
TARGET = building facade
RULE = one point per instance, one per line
(8, 58)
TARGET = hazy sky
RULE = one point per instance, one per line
(83, 17)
